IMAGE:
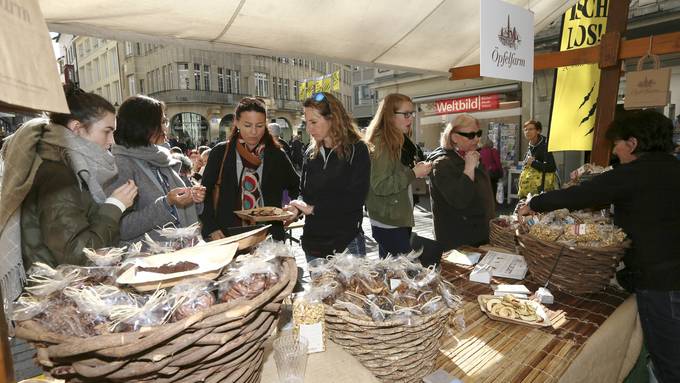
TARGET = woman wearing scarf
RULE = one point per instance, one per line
(462, 200)
(55, 171)
(393, 169)
(163, 197)
(247, 171)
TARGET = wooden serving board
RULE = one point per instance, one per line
(540, 312)
(248, 215)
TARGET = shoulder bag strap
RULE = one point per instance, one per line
(216, 188)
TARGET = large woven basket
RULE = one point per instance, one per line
(220, 344)
(579, 270)
(391, 350)
(502, 236)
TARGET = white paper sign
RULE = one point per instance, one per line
(506, 41)
(313, 333)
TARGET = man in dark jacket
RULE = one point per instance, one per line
(296, 152)
(644, 190)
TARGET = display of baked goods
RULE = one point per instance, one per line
(511, 309)
(169, 268)
(263, 214)
(577, 228)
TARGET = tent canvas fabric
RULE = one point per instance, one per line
(421, 36)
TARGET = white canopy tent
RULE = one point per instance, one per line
(418, 35)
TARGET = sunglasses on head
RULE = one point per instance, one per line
(470, 135)
(318, 97)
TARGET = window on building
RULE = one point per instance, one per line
(275, 89)
(132, 85)
(113, 61)
(286, 89)
(141, 85)
(158, 79)
(128, 48)
(95, 44)
(107, 93)
(220, 80)
(206, 77)
(279, 86)
(197, 76)
(183, 71)
(296, 89)
(88, 74)
(138, 49)
(261, 84)
(105, 65)
(115, 92)
(95, 68)
(236, 80)
(356, 95)
(229, 78)
(166, 78)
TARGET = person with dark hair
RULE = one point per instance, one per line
(643, 190)
(462, 199)
(163, 198)
(55, 174)
(185, 168)
(394, 166)
(538, 174)
(275, 130)
(247, 171)
(335, 180)
(297, 151)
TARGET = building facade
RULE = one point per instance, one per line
(200, 88)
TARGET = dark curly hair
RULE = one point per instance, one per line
(653, 130)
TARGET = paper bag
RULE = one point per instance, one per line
(29, 77)
(647, 88)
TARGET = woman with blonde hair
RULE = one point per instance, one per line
(462, 200)
(393, 169)
(335, 179)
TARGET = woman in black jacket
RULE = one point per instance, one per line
(538, 161)
(644, 190)
(249, 170)
(335, 180)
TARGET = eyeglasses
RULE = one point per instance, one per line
(318, 97)
(470, 135)
(407, 114)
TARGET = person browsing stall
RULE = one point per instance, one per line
(335, 180)
(247, 171)
(462, 199)
(538, 174)
(164, 198)
(393, 169)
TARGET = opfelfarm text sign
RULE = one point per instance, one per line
(467, 104)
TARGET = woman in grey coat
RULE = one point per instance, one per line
(163, 197)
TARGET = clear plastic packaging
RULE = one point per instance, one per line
(190, 297)
(181, 237)
(146, 311)
(248, 278)
(26, 307)
(44, 281)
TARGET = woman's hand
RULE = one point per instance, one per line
(126, 193)
(525, 210)
(180, 197)
(422, 169)
(198, 193)
(529, 160)
(296, 214)
(471, 162)
(217, 234)
(302, 207)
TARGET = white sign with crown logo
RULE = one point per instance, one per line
(506, 48)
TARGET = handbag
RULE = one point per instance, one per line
(647, 88)
(534, 181)
(216, 188)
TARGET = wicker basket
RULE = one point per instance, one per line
(502, 236)
(221, 343)
(391, 350)
(579, 270)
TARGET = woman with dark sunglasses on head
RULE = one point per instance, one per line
(462, 197)
(247, 171)
(335, 180)
(393, 168)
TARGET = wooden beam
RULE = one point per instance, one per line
(617, 19)
(662, 44)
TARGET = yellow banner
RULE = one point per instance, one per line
(318, 85)
(327, 83)
(576, 89)
(302, 91)
(310, 88)
(336, 81)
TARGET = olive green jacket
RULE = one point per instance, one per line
(388, 198)
(59, 218)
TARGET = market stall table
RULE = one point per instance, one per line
(594, 338)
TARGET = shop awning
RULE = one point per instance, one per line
(422, 35)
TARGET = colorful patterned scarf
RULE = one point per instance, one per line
(249, 184)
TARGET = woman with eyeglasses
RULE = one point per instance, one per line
(394, 167)
(247, 171)
(462, 198)
(335, 180)
(538, 174)
(140, 155)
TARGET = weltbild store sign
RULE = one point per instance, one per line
(506, 41)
